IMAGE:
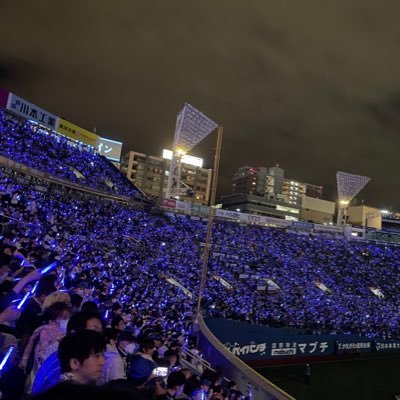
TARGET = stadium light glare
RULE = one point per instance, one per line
(192, 126)
(348, 186)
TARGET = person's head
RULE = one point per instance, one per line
(118, 323)
(187, 372)
(89, 306)
(58, 314)
(192, 387)
(76, 302)
(85, 320)
(82, 354)
(111, 335)
(147, 346)
(46, 286)
(232, 385)
(127, 342)
(56, 297)
(175, 382)
(172, 358)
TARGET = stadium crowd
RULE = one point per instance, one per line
(29, 144)
(108, 312)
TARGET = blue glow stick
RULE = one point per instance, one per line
(45, 270)
(24, 299)
(35, 287)
(6, 357)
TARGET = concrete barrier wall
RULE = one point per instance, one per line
(235, 369)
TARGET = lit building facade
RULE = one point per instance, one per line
(150, 174)
(266, 191)
(271, 183)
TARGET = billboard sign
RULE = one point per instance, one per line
(75, 132)
(111, 149)
(31, 112)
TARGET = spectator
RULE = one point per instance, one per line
(81, 357)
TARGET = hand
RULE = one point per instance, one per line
(10, 314)
(23, 364)
(34, 275)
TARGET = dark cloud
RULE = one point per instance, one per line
(311, 85)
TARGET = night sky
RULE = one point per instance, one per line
(311, 85)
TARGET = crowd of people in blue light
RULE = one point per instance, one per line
(38, 148)
(112, 290)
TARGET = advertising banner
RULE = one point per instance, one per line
(31, 112)
(302, 225)
(73, 131)
(182, 206)
(386, 345)
(110, 149)
(353, 344)
(168, 203)
(3, 97)
(250, 342)
(227, 214)
(254, 342)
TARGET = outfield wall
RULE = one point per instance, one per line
(261, 343)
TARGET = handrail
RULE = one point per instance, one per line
(237, 370)
(195, 360)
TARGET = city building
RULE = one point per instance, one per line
(261, 205)
(367, 217)
(270, 182)
(266, 191)
(150, 174)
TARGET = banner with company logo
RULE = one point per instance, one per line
(75, 132)
(254, 342)
(169, 203)
(31, 112)
(3, 97)
(110, 149)
(353, 344)
(386, 345)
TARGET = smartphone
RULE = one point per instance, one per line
(160, 371)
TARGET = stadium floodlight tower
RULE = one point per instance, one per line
(348, 186)
(192, 126)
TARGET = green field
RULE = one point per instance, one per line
(368, 378)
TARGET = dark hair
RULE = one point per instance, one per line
(55, 311)
(78, 321)
(217, 389)
(76, 300)
(80, 345)
(175, 378)
(192, 386)
(146, 344)
(115, 321)
(231, 384)
(89, 306)
(170, 353)
(5, 259)
(111, 334)
(46, 285)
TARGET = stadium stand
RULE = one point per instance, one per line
(133, 276)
